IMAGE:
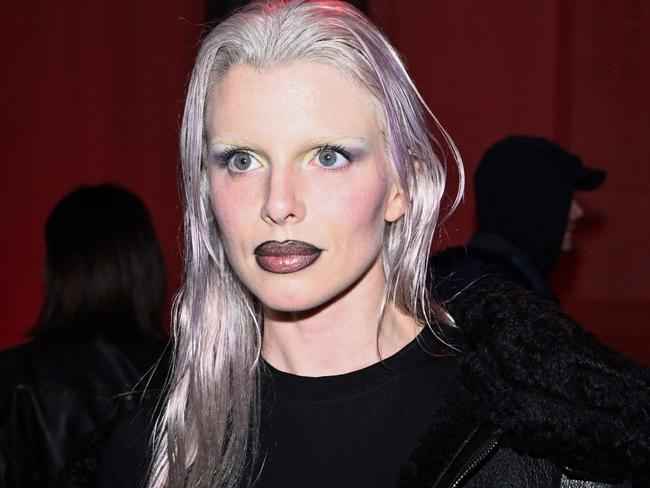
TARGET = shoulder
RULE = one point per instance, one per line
(550, 386)
(95, 365)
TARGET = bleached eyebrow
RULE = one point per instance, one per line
(341, 138)
(217, 146)
(230, 142)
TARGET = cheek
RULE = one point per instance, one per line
(356, 209)
(229, 208)
(367, 210)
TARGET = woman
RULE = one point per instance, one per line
(308, 351)
(99, 330)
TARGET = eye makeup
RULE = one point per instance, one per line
(336, 148)
(222, 155)
(351, 149)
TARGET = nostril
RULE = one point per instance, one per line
(282, 205)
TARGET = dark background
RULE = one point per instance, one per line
(92, 91)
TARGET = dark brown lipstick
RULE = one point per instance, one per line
(285, 257)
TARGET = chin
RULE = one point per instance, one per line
(292, 304)
(297, 299)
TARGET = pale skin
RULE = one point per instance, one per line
(576, 212)
(296, 153)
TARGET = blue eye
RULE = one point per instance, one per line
(333, 157)
(239, 161)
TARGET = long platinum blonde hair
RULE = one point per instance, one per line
(207, 432)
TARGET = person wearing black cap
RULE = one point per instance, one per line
(526, 211)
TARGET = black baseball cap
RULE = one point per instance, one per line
(520, 157)
(588, 179)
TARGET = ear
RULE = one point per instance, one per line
(395, 204)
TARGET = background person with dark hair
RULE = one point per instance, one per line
(527, 212)
(98, 335)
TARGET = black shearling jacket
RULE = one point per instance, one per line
(538, 402)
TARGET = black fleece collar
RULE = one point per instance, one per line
(549, 386)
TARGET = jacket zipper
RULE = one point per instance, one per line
(482, 456)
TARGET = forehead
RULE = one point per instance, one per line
(297, 101)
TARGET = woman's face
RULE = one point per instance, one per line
(301, 183)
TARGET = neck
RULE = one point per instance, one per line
(340, 336)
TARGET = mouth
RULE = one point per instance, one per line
(285, 257)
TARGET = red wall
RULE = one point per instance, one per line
(91, 92)
(572, 70)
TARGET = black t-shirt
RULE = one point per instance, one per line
(350, 430)
(355, 429)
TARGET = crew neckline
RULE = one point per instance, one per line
(424, 348)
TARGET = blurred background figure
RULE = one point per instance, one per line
(527, 213)
(98, 336)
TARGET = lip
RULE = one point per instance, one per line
(285, 257)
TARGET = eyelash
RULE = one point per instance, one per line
(223, 158)
(336, 148)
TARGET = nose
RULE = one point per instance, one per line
(577, 212)
(283, 203)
